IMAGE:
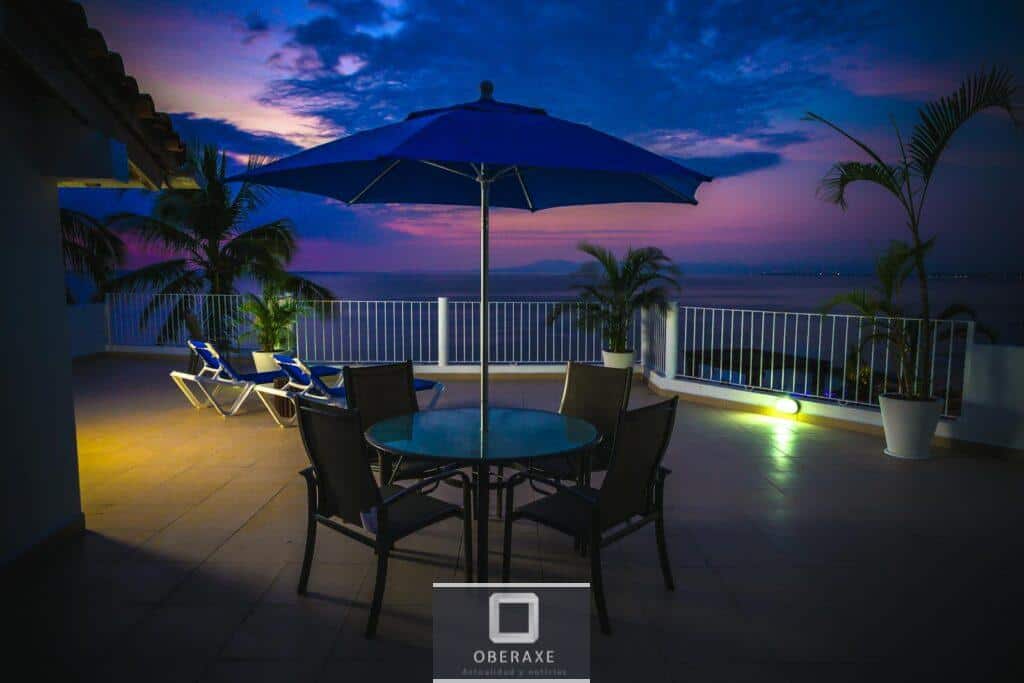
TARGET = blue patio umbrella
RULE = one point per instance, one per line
(483, 153)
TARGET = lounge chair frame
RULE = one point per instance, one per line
(216, 374)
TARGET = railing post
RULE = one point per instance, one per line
(106, 318)
(645, 338)
(968, 353)
(671, 339)
(442, 331)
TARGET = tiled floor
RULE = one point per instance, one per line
(800, 553)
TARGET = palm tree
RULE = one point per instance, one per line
(271, 318)
(90, 248)
(613, 290)
(909, 179)
(882, 304)
(213, 247)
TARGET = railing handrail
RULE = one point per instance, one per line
(825, 355)
(809, 313)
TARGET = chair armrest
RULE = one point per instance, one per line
(447, 473)
(520, 477)
(309, 474)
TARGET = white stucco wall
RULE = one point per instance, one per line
(993, 412)
(994, 397)
(39, 477)
(87, 328)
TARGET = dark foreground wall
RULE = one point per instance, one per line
(38, 465)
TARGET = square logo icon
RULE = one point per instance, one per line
(532, 632)
(511, 632)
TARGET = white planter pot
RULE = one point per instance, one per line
(264, 361)
(909, 426)
(617, 360)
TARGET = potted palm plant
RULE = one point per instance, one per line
(211, 244)
(612, 291)
(910, 415)
(272, 318)
(908, 424)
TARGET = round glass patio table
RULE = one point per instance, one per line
(513, 435)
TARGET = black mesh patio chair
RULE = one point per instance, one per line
(344, 496)
(379, 392)
(631, 496)
(598, 395)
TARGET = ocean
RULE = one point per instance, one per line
(998, 301)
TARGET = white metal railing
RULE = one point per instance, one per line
(828, 357)
(435, 331)
(841, 358)
(525, 333)
(165, 319)
(368, 331)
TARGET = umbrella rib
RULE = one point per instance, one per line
(447, 168)
(670, 190)
(374, 181)
(526, 193)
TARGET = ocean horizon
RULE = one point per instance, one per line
(998, 300)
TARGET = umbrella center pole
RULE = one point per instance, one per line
(485, 201)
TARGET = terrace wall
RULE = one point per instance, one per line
(87, 324)
(39, 485)
(994, 397)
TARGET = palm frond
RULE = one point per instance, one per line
(811, 116)
(156, 232)
(610, 291)
(939, 120)
(304, 288)
(844, 173)
(860, 300)
(90, 247)
(263, 247)
(150, 278)
(957, 311)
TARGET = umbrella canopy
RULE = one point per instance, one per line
(483, 153)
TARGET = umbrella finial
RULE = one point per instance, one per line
(486, 90)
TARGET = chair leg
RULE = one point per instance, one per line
(596, 582)
(196, 403)
(378, 591)
(498, 494)
(666, 569)
(268, 403)
(243, 396)
(580, 542)
(467, 530)
(506, 550)
(307, 558)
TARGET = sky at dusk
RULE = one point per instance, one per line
(721, 86)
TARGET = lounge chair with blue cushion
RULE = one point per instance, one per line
(217, 373)
(307, 381)
(303, 380)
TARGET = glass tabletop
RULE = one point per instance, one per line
(454, 434)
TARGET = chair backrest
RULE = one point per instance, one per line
(300, 376)
(596, 394)
(213, 362)
(381, 391)
(333, 437)
(640, 443)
